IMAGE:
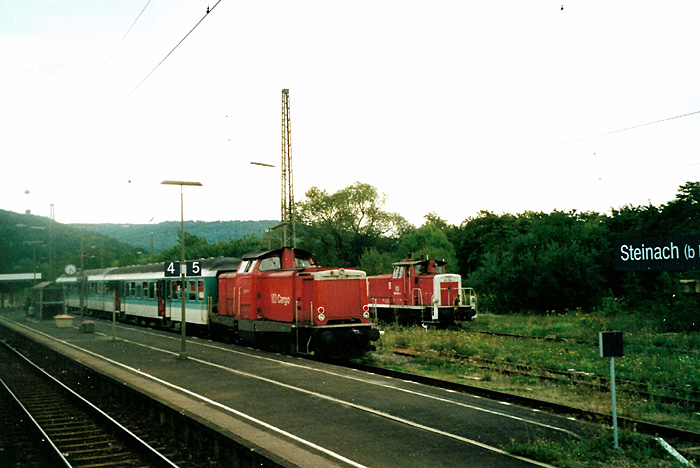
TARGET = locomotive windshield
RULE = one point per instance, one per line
(270, 263)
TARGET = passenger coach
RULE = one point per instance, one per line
(143, 294)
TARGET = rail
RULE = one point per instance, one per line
(81, 432)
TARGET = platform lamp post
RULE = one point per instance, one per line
(183, 321)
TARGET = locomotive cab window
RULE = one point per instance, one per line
(270, 263)
(398, 272)
(302, 262)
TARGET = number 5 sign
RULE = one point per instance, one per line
(194, 268)
(174, 269)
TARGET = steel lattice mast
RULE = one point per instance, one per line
(287, 176)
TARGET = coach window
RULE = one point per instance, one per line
(176, 289)
(144, 289)
(151, 290)
(192, 291)
(269, 263)
(200, 289)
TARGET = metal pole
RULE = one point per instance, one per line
(183, 267)
(183, 318)
(614, 406)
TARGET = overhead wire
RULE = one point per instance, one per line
(126, 34)
(132, 24)
(633, 127)
(209, 10)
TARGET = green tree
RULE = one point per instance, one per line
(554, 265)
(428, 241)
(374, 261)
(483, 234)
(338, 227)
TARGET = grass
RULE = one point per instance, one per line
(651, 358)
(635, 451)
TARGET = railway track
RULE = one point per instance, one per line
(567, 340)
(60, 427)
(685, 398)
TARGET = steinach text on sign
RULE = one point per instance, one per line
(658, 253)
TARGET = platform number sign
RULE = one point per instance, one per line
(174, 269)
(194, 268)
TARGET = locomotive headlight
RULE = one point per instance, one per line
(321, 315)
(365, 314)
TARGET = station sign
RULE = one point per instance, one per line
(658, 253)
(174, 269)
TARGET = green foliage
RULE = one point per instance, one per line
(428, 241)
(554, 263)
(375, 262)
(339, 227)
(485, 233)
(596, 450)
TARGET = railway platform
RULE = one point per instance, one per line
(302, 413)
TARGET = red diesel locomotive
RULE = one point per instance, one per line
(419, 291)
(279, 298)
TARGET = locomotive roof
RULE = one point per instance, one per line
(264, 253)
(409, 261)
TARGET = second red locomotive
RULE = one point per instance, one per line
(419, 291)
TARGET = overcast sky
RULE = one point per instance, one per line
(445, 106)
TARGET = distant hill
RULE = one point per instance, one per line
(165, 234)
(29, 242)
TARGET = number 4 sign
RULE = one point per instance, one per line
(171, 269)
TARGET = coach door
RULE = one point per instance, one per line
(160, 292)
(117, 296)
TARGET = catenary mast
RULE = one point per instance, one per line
(287, 176)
